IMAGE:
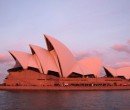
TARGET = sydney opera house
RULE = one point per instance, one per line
(57, 67)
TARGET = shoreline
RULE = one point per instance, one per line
(65, 88)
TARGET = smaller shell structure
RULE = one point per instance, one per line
(120, 72)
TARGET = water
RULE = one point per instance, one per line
(64, 100)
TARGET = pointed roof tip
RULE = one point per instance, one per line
(9, 51)
(45, 35)
(12, 51)
(104, 66)
(108, 67)
(31, 45)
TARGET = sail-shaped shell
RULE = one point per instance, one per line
(25, 59)
(65, 58)
(45, 58)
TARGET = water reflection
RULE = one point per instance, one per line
(65, 100)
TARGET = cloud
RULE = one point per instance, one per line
(6, 62)
(81, 55)
(109, 58)
(98, 52)
(129, 41)
(5, 58)
(122, 64)
(89, 53)
(121, 48)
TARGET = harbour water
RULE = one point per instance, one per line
(65, 100)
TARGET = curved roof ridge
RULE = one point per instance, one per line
(93, 64)
(111, 70)
(76, 68)
(24, 59)
(63, 54)
(124, 71)
(44, 57)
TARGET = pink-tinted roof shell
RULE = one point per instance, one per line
(25, 60)
(80, 69)
(125, 71)
(111, 70)
(87, 66)
(92, 65)
(45, 58)
(65, 57)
